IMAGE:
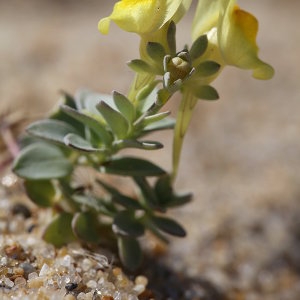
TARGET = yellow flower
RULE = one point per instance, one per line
(232, 33)
(144, 16)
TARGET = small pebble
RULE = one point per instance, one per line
(139, 288)
(8, 282)
(20, 281)
(15, 251)
(91, 284)
(141, 280)
(18, 271)
(28, 268)
(86, 264)
(71, 286)
(107, 297)
(31, 228)
(69, 297)
(66, 261)
(44, 270)
(21, 209)
(35, 282)
(32, 275)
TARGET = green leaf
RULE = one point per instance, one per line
(41, 161)
(131, 166)
(199, 47)
(102, 207)
(125, 107)
(171, 38)
(117, 123)
(58, 114)
(78, 143)
(178, 200)
(88, 100)
(167, 123)
(98, 128)
(145, 145)
(169, 226)
(205, 92)
(156, 51)
(126, 224)
(165, 194)
(119, 198)
(155, 118)
(163, 190)
(148, 193)
(85, 227)
(41, 192)
(130, 252)
(51, 130)
(146, 91)
(59, 231)
(207, 68)
(140, 66)
(163, 95)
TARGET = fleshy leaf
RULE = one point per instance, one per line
(140, 66)
(41, 192)
(178, 200)
(85, 226)
(171, 38)
(169, 226)
(117, 123)
(166, 123)
(199, 47)
(165, 195)
(207, 68)
(42, 161)
(156, 51)
(130, 252)
(148, 193)
(146, 91)
(145, 145)
(155, 118)
(163, 190)
(59, 231)
(78, 143)
(131, 166)
(51, 130)
(119, 198)
(206, 92)
(126, 224)
(98, 128)
(125, 107)
(58, 114)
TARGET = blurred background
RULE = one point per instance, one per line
(241, 157)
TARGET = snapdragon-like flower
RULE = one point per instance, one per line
(232, 35)
(148, 18)
(144, 16)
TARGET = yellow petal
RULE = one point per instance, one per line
(237, 31)
(139, 16)
(180, 10)
(103, 25)
(143, 16)
(206, 17)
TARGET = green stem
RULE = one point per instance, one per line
(140, 80)
(183, 119)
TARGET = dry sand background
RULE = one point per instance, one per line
(242, 154)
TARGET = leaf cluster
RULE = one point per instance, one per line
(89, 130)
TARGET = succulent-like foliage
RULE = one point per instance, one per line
(90, 132)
